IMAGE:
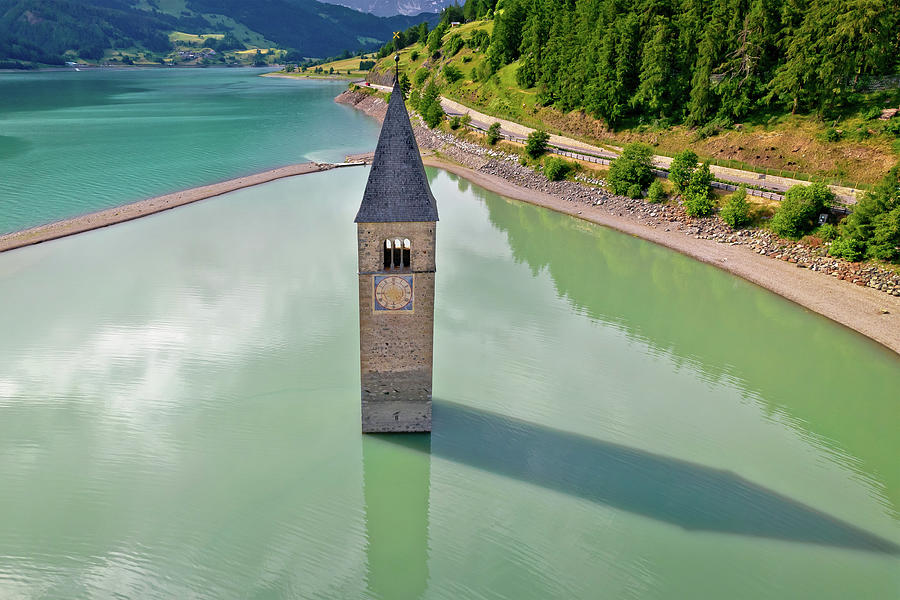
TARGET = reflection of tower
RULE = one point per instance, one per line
(396, 242)
(397, 478)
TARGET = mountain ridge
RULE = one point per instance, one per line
(48, 31)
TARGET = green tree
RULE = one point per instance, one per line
(653, 93)
(736, 211)
(633, 167)
(655, 193)
(404, 84)
(452, 74)
(556, 169)
(507, 35)
(697, 198)
(798, 212)
(870, 230)
(536, 144)
(493, 133)
(683, 165)
(430, 105)
(435, 38)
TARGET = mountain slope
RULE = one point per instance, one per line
(387, 8)
(44, 30)
(312, 28)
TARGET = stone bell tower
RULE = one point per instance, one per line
(396, 244)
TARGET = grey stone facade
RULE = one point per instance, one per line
(396, 346)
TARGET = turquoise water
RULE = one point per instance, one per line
(612, 420)
(179, 405)
(76, 142)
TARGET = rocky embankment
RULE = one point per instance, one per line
(668, 217)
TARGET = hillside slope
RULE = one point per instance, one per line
(45, 30)
(389, 8)
(851, 146)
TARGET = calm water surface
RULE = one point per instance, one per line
(180, 410)
(179, 395)
(76, 142)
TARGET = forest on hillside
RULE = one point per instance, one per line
(44, 31)
(693, 61)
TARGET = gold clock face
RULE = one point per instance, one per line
(393, 292)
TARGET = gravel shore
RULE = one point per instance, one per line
(862, 297)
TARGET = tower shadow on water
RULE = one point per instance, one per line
(396, 475)
(689, 495)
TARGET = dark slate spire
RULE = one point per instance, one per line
(397, 189)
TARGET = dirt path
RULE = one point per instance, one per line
(142, 208)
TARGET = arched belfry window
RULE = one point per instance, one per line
(397, 254)
(387, 255)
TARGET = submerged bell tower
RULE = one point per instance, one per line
(396, 249)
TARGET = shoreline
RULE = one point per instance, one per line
(865, 310)
(151, 206)
(861, 309)
(868, 311)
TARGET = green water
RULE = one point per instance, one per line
(179, 395)
(76, 142)
(180, 410)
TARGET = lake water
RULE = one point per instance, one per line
(75, 142)
(179, 417)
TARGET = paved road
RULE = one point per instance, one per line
(583, 151)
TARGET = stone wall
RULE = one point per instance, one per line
(396, 347)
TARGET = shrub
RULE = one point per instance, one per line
(434, 38)
(454, 122)
(632, 167)
(697, 199)
(420, 76)
(454, 44)
(736, 211)
(414, 55)
(872, 113)
(797, 214)
(556, 168)
(826, 232)
(493, 133)
(414, 99)
(536, 145)
(885, 242)
(478, 40)
(634, 191)
(452, 74)
(852, 249)
(365, 65)
(684, 163)
(832, 135)
(655, 193)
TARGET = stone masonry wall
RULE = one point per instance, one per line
(396, 347)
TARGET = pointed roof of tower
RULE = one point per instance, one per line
(397, 189)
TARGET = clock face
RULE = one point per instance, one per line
(393, 292)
